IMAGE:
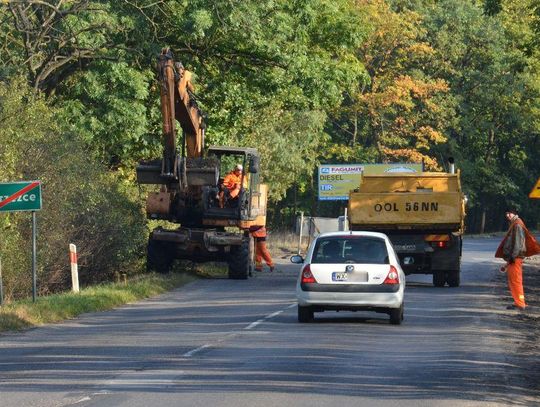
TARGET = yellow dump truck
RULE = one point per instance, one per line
(422, 213)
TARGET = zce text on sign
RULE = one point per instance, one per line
(20, 196)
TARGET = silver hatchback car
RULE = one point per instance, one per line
(354, 271)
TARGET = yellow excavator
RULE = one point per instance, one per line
(212, 225)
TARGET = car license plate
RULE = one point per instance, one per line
(340, 276)
(359, 277)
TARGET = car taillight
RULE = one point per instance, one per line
(392, 277)
(307, 277)
(439, 245)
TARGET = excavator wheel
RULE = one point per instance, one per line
(159, 256)
(239, 261)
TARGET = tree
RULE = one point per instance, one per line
(495, 99)
(53, 38)
(109, 107)
(401, 112)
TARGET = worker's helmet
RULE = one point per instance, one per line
(239, 167)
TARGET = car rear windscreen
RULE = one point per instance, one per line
(350, 249)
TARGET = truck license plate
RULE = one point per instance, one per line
(339, 276)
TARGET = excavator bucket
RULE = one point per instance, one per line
(149, 172)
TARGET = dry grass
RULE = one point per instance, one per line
(203, 270)
(285, 244)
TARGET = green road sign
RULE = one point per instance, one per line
(20, 196)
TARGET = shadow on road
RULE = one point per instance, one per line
(456, 350)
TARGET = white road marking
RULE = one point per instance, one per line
(254, 324)
(275, 314)
(232, 334)
(82, 400)
(194, 351)
(269, 316)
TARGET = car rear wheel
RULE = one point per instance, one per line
(396, 315)
(439, 278)
(305, 314)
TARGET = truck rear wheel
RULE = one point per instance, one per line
(239, 261)
(159, 256)
(439, 278)
(453, 278)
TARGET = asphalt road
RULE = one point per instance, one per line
(238, 343)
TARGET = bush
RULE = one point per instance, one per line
(82, 202)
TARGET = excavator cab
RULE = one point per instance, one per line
(250, 203)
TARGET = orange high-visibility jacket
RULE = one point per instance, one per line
(232, 181)
(258, 231)
(531, 245)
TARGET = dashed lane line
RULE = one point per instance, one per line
(196, 350)
(233, 334)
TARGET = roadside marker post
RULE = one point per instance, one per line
(20, 197)
(74, 268)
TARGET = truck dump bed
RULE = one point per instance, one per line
(408, 201)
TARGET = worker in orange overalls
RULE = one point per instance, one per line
(261, 251)
(516, 245)
(232, 183)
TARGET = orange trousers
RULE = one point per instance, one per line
(514, 272)
(261, 252)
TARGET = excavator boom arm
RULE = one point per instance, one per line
(178, 103)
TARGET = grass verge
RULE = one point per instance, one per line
(24, 314)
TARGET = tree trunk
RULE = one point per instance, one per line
(295, 204)
(483, 220)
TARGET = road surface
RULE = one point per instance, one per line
(238, 343)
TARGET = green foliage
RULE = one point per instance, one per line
(82, 202)
(107, 107)
(51, 40)
(496, 100)
(268, 72)
(286, 143)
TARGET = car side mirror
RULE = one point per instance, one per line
(297, 259)
(254, 164)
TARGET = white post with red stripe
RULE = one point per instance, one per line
(74, 268)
